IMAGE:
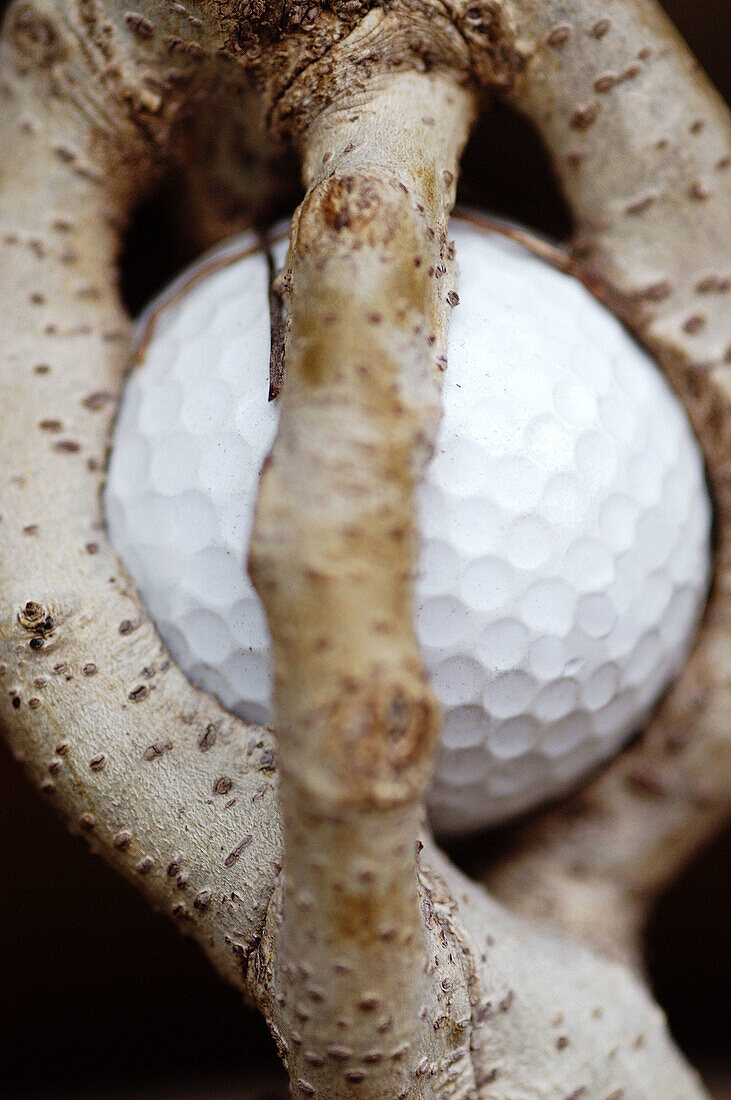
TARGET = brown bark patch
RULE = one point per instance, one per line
(34, 36)
(384, 729)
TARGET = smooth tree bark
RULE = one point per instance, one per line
(630, 173)
(367, 291)
(299, 862)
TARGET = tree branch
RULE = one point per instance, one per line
(174, 792)
(642, 145)
(178, 795)
(333, 553)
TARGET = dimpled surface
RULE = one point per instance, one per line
(565, 519)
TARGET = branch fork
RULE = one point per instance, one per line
(381, 969)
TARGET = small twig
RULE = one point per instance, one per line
(278, 321)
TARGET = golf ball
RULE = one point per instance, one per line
(564, 517)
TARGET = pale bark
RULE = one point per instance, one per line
(368, 290)
(172, 790)
(649, 182)
(153, 772)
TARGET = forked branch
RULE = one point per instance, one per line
(439, 990)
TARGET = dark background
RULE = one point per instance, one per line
(100, 997)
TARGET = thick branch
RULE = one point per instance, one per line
(333, 556)
(177, 794)
(642, 146)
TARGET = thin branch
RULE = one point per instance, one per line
(278, 325)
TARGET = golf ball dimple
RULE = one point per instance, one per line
(564, 517)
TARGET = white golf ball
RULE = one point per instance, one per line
(565, 518)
